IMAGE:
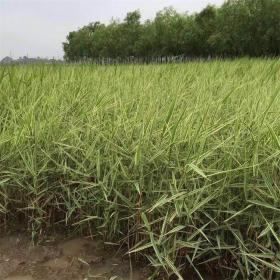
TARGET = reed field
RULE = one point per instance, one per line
(178, 163)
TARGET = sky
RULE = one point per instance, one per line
(38, 27)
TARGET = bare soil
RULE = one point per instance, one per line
(72, 259)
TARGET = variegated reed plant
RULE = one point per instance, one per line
(179, 162)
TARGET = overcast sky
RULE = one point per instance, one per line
(38, 27)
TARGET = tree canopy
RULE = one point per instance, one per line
(237, 28)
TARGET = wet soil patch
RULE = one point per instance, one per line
(72, 259)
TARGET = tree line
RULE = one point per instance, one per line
(237, 28)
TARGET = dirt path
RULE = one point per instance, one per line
(75, 259)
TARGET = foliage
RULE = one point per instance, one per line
(179, 162)
(237, 28)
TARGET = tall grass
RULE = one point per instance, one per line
(178, 162)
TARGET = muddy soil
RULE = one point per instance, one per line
(73, 259)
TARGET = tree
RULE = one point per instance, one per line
(237, 28)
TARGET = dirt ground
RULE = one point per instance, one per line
(72, 259)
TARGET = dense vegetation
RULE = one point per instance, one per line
(179, 162)
(238, 28)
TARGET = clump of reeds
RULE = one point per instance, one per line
(180, 162)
